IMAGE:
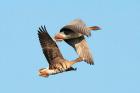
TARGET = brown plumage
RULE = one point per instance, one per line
(73, 34)
(57, 63)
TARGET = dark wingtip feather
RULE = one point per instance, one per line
(42, 29)
(92, 64)
(45, 28)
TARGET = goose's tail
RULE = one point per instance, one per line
(94, 28)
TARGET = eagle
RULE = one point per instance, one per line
(57, 63)
(74, 34)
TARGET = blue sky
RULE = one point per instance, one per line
(116, 47)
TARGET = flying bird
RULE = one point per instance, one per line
(73, 34)
(57, 63)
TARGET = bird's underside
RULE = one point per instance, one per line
(67, 70)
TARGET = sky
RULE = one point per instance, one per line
(116, 48)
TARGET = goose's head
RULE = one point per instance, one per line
(66, 35)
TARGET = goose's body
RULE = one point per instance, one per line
(57, 63)
(73, 34)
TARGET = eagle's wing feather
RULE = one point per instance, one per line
(49, 47)
(81, 47)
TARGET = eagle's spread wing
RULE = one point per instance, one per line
(77, 26)
(81, 47)
(49, 47)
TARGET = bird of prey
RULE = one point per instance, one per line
(73, 34)
(57, 63)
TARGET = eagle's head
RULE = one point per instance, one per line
(43, 72)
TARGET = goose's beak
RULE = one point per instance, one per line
(59, 37)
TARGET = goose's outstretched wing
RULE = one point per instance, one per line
(81, 47)
(77, 26)
(49, 47)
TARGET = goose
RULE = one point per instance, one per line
(74, 35)
(57, 63)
